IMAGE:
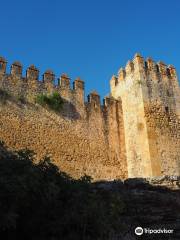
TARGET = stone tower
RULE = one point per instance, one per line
(150, 96)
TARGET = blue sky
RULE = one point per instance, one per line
(89, 38)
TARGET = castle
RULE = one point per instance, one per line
(135, 133)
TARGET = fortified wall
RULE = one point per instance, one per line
(150, 96)
(135, 133)
(83, 138)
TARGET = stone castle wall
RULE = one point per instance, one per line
(83, 138)
(135, 133)
(150, 97)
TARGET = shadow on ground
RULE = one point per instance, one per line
(37, 201)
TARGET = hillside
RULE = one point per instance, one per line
(38, 201)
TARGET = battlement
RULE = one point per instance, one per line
(135, 133)
(30, 85)
(158, 81)
(32, 73)
(145, 67)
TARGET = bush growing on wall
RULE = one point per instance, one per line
(53, 101)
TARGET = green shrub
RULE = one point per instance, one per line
(53, 101)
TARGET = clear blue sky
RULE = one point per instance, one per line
(89, 38)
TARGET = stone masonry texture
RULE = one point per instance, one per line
(135, 133)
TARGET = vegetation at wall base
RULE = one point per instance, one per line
(52, 101)
(37, 201)
(40, 202)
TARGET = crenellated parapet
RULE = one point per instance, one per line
(64, 81)
(78, 84)
(30, 85)
(16, 69)
(113, 82)
(121, 74)
(48, 80)
(145, 67)
(78, 88)
(157, 80)
(32, 73)
(172, 71)
(94, 101)
(2, 65)
(129, 68)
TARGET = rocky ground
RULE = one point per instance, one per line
(152, 203)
